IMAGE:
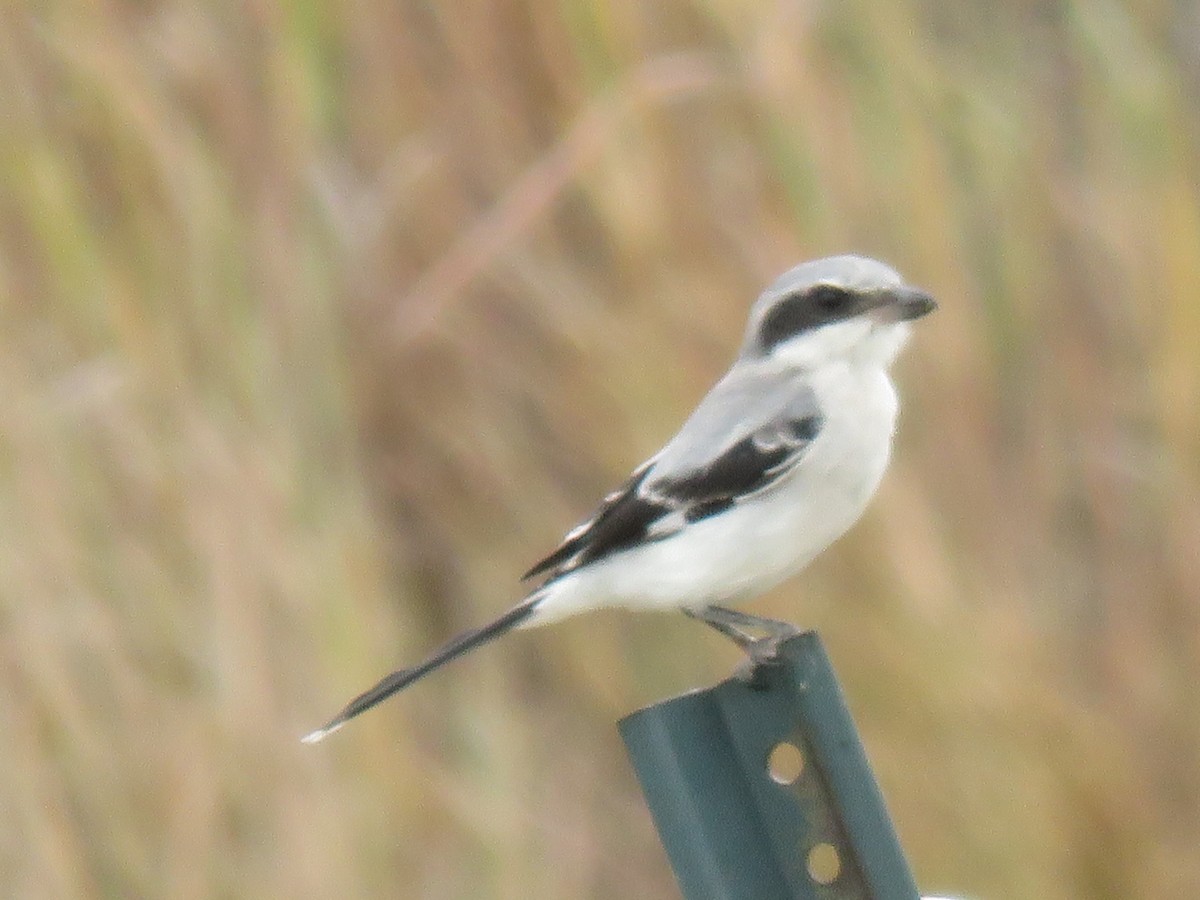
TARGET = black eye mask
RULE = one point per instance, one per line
(819, 305)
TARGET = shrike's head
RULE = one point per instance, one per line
(847, 308)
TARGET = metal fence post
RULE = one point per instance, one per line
(763, 792)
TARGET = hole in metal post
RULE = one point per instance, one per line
(824, 864)
(785, 763)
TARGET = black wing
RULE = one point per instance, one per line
(624, 517)
(651, 506)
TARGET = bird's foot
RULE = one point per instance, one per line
(739, 627)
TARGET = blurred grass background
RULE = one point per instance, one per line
(320, 323)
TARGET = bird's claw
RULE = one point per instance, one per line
(761, 652)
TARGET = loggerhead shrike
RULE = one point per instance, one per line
(774, 465)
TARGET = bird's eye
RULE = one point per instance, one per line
(803, 311)
(830, 299)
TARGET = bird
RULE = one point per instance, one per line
(777, 462)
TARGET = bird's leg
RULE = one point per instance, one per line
(734, 625)
(710, 616)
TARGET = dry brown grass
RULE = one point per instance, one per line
(320, 323)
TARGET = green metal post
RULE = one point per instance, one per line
(761, 791)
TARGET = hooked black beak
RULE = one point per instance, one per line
(912, 303)
(903, 304)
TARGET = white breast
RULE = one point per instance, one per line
(755, 545)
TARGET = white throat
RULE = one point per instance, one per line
(858, 342)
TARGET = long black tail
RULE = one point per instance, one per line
(402, 678)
